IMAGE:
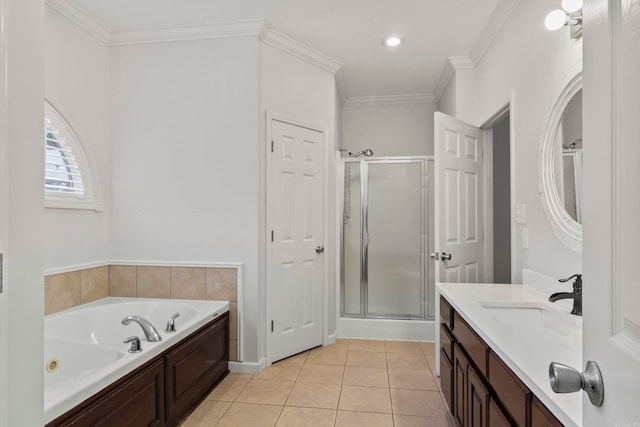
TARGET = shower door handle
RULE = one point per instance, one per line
(319, 249)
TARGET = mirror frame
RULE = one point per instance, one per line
(566, 229)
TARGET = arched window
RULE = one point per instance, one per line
(68, 182)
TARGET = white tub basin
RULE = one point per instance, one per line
(525, 314)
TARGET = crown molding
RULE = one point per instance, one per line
(498, 18)
(196, 32)
(81, 19)
(280, 41)
(341, 86)
(452, 64)
(365, 101)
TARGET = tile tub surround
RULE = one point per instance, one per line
(526, 349)
(68, 290)
(349, 383)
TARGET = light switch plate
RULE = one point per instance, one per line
(520, 214)
(525, 238)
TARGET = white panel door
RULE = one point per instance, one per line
(296, 256)
(458, 195)
(611, 202)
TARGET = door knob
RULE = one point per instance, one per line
(319, 249)
(445, 256)
(565, 379)
(435, 255)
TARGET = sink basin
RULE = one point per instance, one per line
(531, 314)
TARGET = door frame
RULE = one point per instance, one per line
(269, 221)
(505, 106)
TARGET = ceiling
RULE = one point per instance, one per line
(349, 31)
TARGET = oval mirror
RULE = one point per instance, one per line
(561, 166)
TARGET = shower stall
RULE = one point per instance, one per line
(387, 230)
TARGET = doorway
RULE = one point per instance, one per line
(501, 186)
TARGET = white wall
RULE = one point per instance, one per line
(306, 94)
(535, 64)
(389, 130)
(21, 160)
(77, 85)
(185, 158)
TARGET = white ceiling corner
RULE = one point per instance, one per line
(76, 15)
(497, 20)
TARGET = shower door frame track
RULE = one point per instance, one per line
(364, 214)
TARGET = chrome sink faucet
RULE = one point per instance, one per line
(150, 332)
(576, 295)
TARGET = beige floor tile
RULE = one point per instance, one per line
(367, 358)
(281, 371)
(297, 358)
(307, 417)
(428, 348)
(411, 421)
(365, 399)
(417, 402)
(239, 375)
(403, 347)
(407, 361)
(363, 419)
(411, 379)
(266, 392)
(330, 355)
(228, 389)
(342, 341)
(313, 395)
(366, 345)
(207, 414)
(244, 415)
(322, 374)
(365, 377)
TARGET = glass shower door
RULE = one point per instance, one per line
(384, 243)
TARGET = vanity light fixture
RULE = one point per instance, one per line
(392, 41)
(570, 15)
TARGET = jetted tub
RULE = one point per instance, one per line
(83, 348)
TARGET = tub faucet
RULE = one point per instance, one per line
(150, 332)
(576, 295)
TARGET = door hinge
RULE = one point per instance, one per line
(272, 326)
(272, 146)
(271, 235)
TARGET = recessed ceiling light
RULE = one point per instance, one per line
(392, 41)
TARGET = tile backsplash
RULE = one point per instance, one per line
(67, 290)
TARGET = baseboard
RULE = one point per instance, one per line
(247, 367)
(386, 329)
(331, 339)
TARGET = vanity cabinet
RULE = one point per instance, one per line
(480, 389)
(162, 391)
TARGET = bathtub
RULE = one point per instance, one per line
(83, 349)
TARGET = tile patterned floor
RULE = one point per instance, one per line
(350, 383)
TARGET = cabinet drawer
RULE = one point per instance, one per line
(446, 342)
(472, 343)
(446, 313)
(541, 417)
(513, 394)
(446, 380)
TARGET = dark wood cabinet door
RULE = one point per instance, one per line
(446, 379)
(460, 367)
(497, 418)
(137, 401)
(477, 400)
(195, 367)
(541, 417)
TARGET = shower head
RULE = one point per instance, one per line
(367, 153)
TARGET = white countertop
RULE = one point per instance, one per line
(527, 350)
